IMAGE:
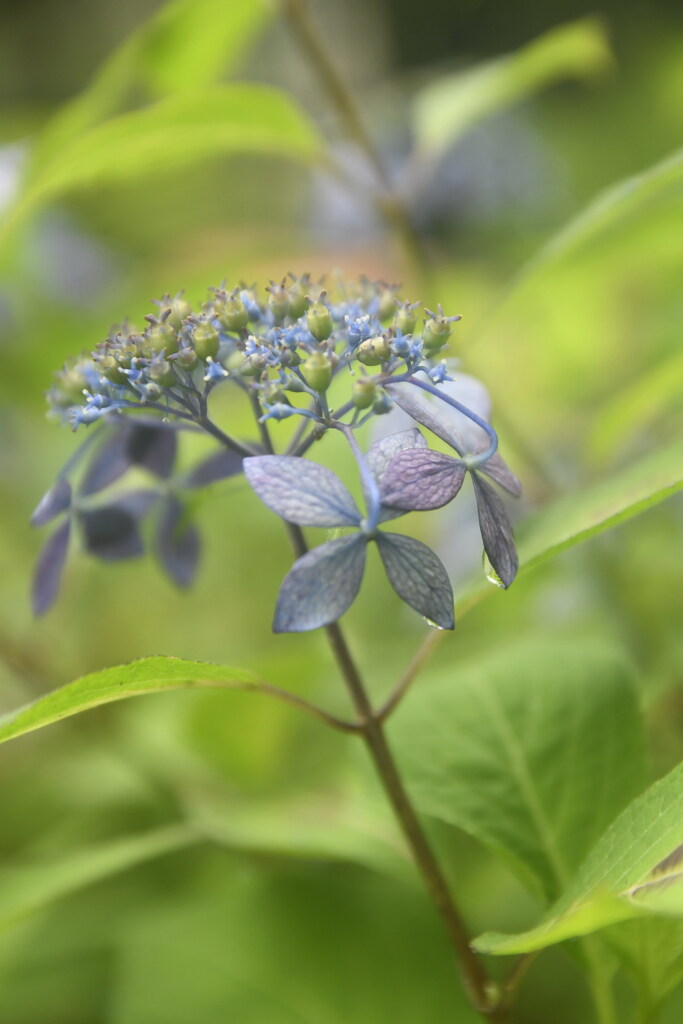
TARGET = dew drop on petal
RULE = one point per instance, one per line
(434, 625)
(491, 574)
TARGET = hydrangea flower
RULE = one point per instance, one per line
(327, 359)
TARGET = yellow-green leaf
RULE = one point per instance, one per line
(148, 675)
(635, 868)
(446, 108)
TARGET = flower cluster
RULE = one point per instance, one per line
(288, 346)
(290, 353)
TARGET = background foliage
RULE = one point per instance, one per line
(245, 867)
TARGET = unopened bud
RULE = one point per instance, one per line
(161, 372)
(374, 351)
(317, 370)
(205, 341)
(161, 337)
(278, 301)
(112, 371)
(382, 404)
(363, 392)
(297, 297)
(319, 321)
(387, 304)
(253, 365)
(179, 309)
(187, 358)
(233, 315)
(292, 383)
(406, 318)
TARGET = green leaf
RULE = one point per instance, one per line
(317, 828)
(29, 887)
(635, 408)
(175, 132)
(186, 45)
(578, 517)
(314, 945)
(533, 751)
(635, 868)
(651, 949)
(607, 211)
(148, 675)
(446, 108)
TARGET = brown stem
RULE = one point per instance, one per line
(423, 652)
(304, 705)
(482, 992)
(476, 981)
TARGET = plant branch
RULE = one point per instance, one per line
(475, 979)
(481, 990)
(341, 724)
(390, 205)
(423, 653)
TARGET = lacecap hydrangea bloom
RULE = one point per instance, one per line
(332, 359)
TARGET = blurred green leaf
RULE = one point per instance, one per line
(616, 204)
(445, 109)
(635, 408)
(148, 675)
(325, 827)
(637, 866)
(651, 949)
(29, 887)
(186, 45)
(173, 133)
(580, 516)
(599, 507)
(309, 946)
(533, 751)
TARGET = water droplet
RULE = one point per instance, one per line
(434, 625)
(491, 574)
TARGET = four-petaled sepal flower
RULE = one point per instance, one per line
(323, 584)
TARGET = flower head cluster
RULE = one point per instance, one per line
(287, 346)
(291, 351)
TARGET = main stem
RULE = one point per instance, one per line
(371, 728)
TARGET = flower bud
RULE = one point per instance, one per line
(187, 358)
(317, 370)
(161, 337)
(374, 351)
(292, 383)
(152, 392)
(290, 358)
(297, 297)
(319, 321)
(272, 391)
(387, 304)
(436, 332)
(405, 318)
(179, 309)
(363, 392)
(253, 365)
(205, 341)
(111, 369)
(232, 315)
(382, 404)
(161, 372)
(278, 301)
